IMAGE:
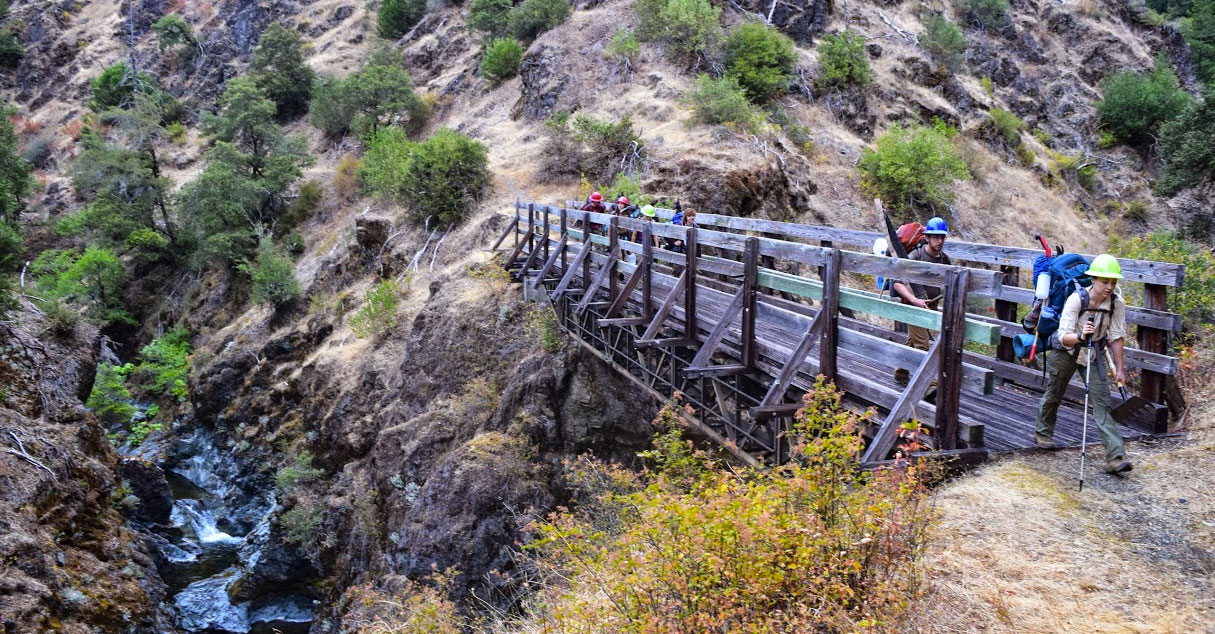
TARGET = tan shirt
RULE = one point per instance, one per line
(1110, 326)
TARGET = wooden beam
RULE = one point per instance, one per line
(608, 269)
(647, 282)
(780, 385)
(651, 332)
(1137, 315)
(828, 345)
(887, 434)
(1007, 311)
(571, 272)
(689, 288)
(750, 263)
(949, 381)
(705, 354)
(629, 285)
(1155, 297)
(552, 259)
(512, 226)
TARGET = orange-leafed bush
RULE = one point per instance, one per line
(688, 546)
(73, 128)
(401, 606)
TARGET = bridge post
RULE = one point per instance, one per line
(517, 219)
(1007, 311)
(613, 251)
(531, 228)
(564, 228)
(544, 233)
(829, 309)
(949, 377)
(689, 301)
(750, 267)
(647, 281)
(586, 244)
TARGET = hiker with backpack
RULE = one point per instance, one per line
(684, 218)
(1092, 320)
(931, 249)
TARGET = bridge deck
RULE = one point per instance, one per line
(736, 367)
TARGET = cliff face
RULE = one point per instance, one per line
(72, 565)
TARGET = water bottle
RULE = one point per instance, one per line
(1042, 288)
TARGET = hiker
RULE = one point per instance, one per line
(646, 213)
(595, 204)
(1092, 320)
(932, 250)
(681, 217)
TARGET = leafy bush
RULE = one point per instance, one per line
(760, 59)
(1194, 300)
(396, 17)
(1133, 106)
(985, 12)
(300, 472)
(278, 68)
(91, 280)
(37, 150)
(346, 181)
(844, 60)
(329, 110)
(722, 101)
(11, 51)
(379, 94)
(818, 545)
(438, 179)
(501, 59)
(1006, 125)
(110, 399)
(173, 32)
(944, 42)
(489, 15)
(1078, 169)
(61, 319)
(913, 167)
(299, 524)
(533, 17)
(1187, 146)
(305, 204)
(1199, 31)
(379, 313)
(688, 27)
(623, 48)
(112, 88)
(164, 364)
(272, 275)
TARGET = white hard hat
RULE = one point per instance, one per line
(879, 246)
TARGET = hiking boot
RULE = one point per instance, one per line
(1118, 465)
(902, 376)
(1044, 442)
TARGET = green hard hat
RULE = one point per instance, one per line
(648, 210)
(1105, 265)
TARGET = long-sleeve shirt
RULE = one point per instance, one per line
(1111, 325)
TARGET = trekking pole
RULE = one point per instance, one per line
(1088, 373)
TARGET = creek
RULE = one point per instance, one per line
(226, 570)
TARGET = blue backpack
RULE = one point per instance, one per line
(1068, 274)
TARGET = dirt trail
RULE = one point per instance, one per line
(1020, 549)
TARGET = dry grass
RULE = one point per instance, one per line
(1023, 550)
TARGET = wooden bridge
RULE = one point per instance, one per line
(742, 319)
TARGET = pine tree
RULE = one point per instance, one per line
(278, 68)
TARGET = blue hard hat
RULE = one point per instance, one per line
(936, 227)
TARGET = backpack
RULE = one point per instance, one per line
(1068, 274)
(911, 235)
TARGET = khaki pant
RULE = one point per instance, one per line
(918, 338)
(1060, 366)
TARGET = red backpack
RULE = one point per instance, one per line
(911, 235)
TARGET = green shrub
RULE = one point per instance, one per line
(173, 32)
(501, 59)
(1194, 300)
(623, 48)
(11, 51)
(110, 399)
(300, 472)
(1187, 146)
(272, 275)
(913, 167)
(437, 180)
(1078, 169)
(164, 364)
(112, 88)
(299, 524)
(722, 101)
(379, 313)
(277, 66)
(91, 280)
(946, 45)
(986, 12)
(761, 59)
(61, 319)
(1006, 125)
(843, 60)
(987, 86)
(396, 17)
(489, 16)
(688, 27)
(1199, 31)
(381, 93)
(1133, 106)
(142, 426)
(528, 20)
(305, 204)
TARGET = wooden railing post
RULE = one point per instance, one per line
(564, 229)
(586, 244)
(613, 248)
(1155, 297)
(544, 234)
(647, 281)
(518, 219)
(750, 270)
(830, 309)
(1007, 311)
(949, 377)
(689, 301)
(531, 228)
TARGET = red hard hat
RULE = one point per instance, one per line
(597, 197)
(623, 200)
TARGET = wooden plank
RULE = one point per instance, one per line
(750, 263)
(829, 336)
(668, 304)
(883, 441)
(1137, 315)
(1134, 357)
(607, 270)
(689, 288)
(571, 271)
(511, 227)
(1007, 311)
(647, 282)
(1151, 385)
(552, 259)
(949, 381)
(780, 385)
(696, 372)
(619, 300)
(614, 247)
(527, 264)
(705, 354)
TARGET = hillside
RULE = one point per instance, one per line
(315, 452)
